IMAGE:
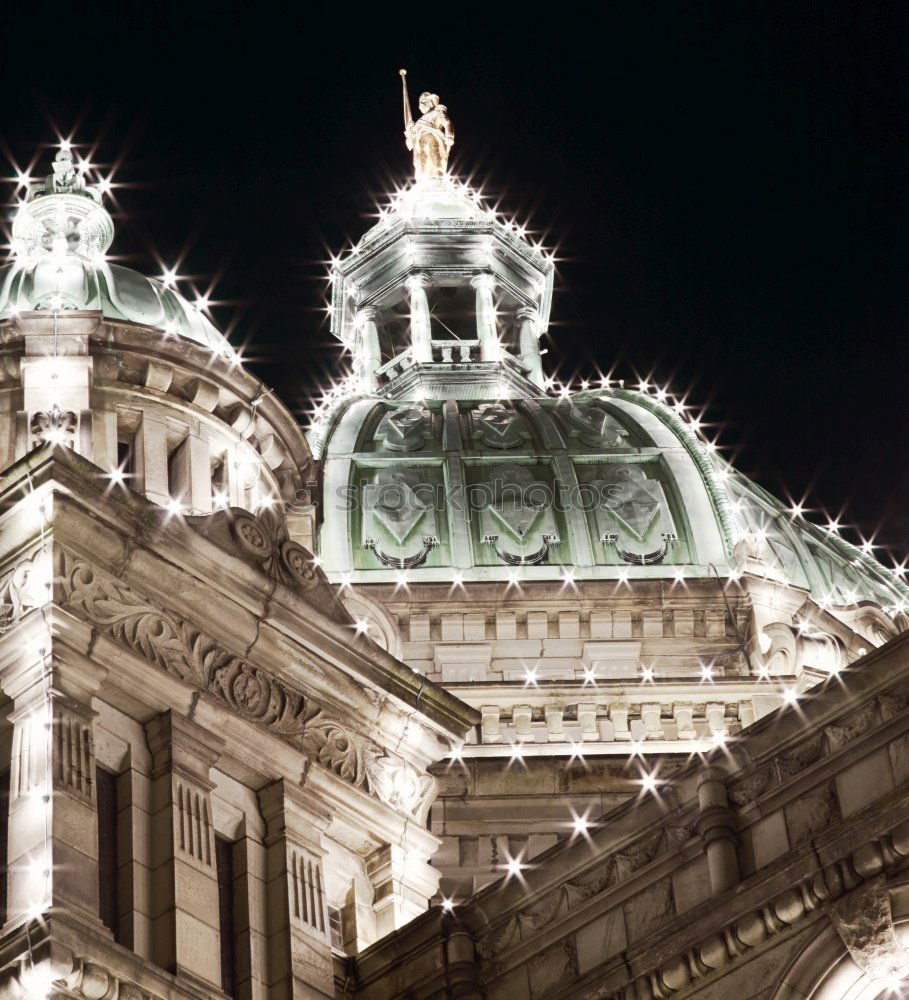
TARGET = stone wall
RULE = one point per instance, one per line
(709, 887)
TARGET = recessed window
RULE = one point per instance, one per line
(224, 861)
(108, 850)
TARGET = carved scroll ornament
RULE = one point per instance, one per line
(186, 652)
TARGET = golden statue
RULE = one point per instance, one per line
(431, 136)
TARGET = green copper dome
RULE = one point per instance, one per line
(60, 236)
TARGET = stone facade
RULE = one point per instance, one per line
(582, 568)
(772, 869)
(231, 767)
(209, 667)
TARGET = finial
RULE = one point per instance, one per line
(65, 178)
(62, 215)
(431, 136)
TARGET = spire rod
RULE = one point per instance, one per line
(408, 118)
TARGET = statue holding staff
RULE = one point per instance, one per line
(431, 136)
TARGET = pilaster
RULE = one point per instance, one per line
(184, 889)
(299, 948)
(52, 858)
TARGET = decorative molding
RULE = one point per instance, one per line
(78, 977)
(193, 818)
(188, 653)
(820, 891)
(307, 893)
(74, 753)
(616, 868)
(864, 920)
(24, 587)
(262, 541)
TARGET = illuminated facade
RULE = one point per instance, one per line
(479, 689)
(582, 568)
(212, 782)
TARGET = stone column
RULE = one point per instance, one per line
(191, 484)
(296, 915)
(529, 343)
(716, 825)
(184, 888)
(52, 854)
(368, 356)
(150, 450)
(490, 349)
(420, 327)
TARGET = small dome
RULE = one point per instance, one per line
(610, 483)
(118, 292)
(60, 235)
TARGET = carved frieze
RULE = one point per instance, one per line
(262, 541)
(187, 652)
(517, 517)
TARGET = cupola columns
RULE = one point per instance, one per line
(420, 330)
(367, 355)
(529, 345)
(490, 349)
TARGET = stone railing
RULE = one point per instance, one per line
(455, 351)
(593, 722)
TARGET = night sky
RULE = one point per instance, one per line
(724, 185)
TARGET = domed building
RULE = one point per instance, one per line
(210, 782)
(476, 690)
(582, 568)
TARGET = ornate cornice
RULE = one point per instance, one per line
(262, 542)
(190, 654)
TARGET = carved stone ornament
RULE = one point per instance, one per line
(402, 430)
(499, 426)
(186, 652)
(518, 522)
(64, 971)
(632, 515)
(24, 587)
(53, 426)
(262, 541)
(570, 895)
(395, 504)
(864, 921)
(593, 425)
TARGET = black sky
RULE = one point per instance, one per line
(725, 184)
